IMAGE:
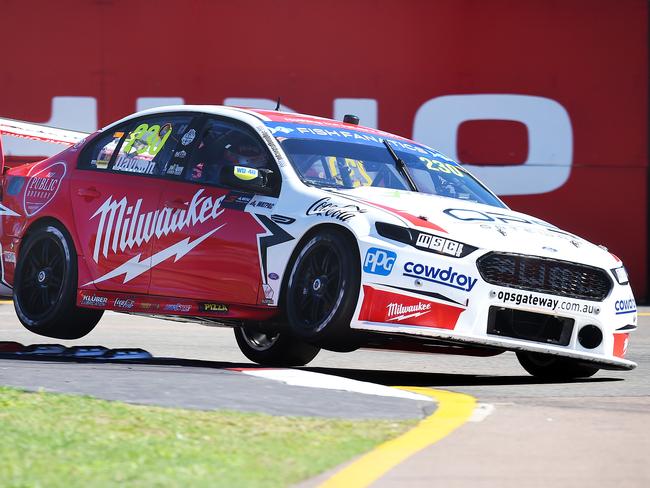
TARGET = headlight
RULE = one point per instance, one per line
(424, 241)
(621, 275)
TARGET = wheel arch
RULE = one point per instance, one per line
(42, 222)
(70, 236)
(349, 235)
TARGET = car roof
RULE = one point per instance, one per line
(252, 114)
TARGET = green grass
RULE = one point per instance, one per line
(50, 440)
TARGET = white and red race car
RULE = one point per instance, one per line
(301, 233)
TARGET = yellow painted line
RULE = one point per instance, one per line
(6, 301)
(454, 409)
(644, 314)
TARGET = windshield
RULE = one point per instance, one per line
(331, 164)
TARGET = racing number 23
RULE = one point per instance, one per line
(434, 165)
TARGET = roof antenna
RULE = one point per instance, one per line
(277, 105)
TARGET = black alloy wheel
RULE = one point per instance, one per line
(323, 289)
(41, 278)
(274, 348)
(45, 288)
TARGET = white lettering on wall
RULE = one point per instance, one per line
(550, 138)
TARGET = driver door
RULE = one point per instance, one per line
(214, 253)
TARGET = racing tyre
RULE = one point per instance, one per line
(548, 366)
(322, 291)
(45, 287)
(274, 349)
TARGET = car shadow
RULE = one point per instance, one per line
(382, 377)
(421, 378)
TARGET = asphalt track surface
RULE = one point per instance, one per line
(588, 432)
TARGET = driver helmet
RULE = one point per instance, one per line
(245, 153)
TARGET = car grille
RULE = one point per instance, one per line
(545, 276)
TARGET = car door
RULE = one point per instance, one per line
(116, 198)
(213, 252)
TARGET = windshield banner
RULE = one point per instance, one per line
(285, 130)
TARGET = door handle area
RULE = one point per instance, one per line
(90, 193)
(177, 204)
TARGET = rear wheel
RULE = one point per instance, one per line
(553, 367)
(45, 287)
(274, 348)
(322, 291)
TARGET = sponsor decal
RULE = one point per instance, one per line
(379, 261)
(400, 312)
(214, 307)
(274, 276)
(283, 130)
(148, 306)
(237, 200)
(392, 308)
(121, 226)
(9, 257)
(80, 143)
(94, 300)
(125, 303)
(272, 145)
(512, 221)
(554, 304)
(445, 277)
(260, 202)
(42, 187)
(337, 131)
(268, 291)
(326, 208)
(440, 245)
(180, 154)
(147, 139)
(7, 212)
(625, 306)
(177, 307)
(245, 174)
(175, 169)
(267, 301)
(128, 164)
(188, 137)
(621, 342)
(282, 219)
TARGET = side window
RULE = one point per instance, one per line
(158, 145)
(150, 146)
(99, 153)
(226, 144)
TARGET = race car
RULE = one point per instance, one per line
(301, 233)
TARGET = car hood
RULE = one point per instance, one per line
(483, 226)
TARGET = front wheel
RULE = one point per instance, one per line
(323, 289)
(274, 348)
(548, 366)
(45, 286)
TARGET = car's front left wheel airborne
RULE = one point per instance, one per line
(323, 289)
(45, 286)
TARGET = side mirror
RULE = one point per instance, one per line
(247, 178)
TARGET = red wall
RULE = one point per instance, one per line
(590, 57)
